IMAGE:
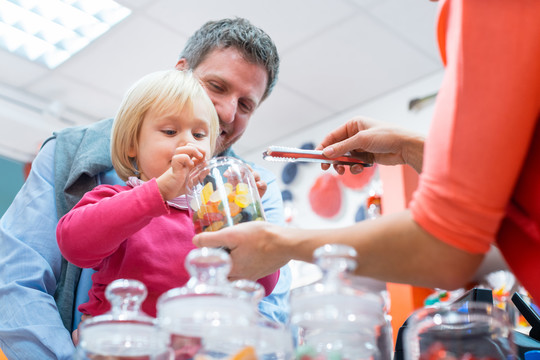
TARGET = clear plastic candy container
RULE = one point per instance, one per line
(223, 193)
(334, 318)
(212, 318)
(125, 332)
(460, 331)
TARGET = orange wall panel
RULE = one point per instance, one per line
(399, 184)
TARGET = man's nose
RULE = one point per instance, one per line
(227, 110)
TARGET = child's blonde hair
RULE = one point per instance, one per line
(159, 91)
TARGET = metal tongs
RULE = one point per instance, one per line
(282, 153)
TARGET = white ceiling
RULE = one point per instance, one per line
(336, 55)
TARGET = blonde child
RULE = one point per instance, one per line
(165, 126)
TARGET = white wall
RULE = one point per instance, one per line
(392, 108)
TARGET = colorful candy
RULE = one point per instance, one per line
(215, 208)
(206, 192)
(242, 200)
(437, 351)
(247, 353)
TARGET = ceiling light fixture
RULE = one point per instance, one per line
(50, 32)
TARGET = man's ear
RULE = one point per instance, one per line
(182, 64)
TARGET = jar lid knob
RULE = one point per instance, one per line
(126, 295)
(336, 257)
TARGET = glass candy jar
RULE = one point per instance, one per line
(223, 193)
(212, 318)
(334, 318)
(125, 332)
(460, 331)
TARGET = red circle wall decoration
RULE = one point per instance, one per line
(357, 181)
(325, 196)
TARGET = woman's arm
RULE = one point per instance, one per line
(391, 248)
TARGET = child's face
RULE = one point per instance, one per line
(163, 132)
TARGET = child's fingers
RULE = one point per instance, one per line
(194, 152)
(182, 161)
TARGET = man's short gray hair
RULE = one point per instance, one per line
(253, 43)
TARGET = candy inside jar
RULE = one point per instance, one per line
(223, 193)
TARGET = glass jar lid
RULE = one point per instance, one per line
(125, 330)
(212, 316)
(208, 300)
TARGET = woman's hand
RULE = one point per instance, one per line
(256, 248)
(373, 141)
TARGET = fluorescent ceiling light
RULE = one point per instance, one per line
(50, 31)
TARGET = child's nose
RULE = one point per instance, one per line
(185, 139)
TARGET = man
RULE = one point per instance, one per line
(237, 64)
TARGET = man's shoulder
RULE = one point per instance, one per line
(87, 146)
(265, 174)
(73, 134)
(102, 127)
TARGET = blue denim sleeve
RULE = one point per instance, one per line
(276, 305)
(30, 262)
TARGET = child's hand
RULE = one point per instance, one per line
(172, 183)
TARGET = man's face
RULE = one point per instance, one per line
(236, 88)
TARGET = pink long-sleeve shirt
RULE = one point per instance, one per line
(480, 182)
(125, 232)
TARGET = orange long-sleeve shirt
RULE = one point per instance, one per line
(480, 182)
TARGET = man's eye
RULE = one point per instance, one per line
(245, 107)
(169, 132)
(216, 87)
